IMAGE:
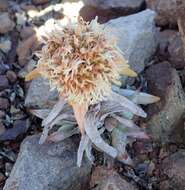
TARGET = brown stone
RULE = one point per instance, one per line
(109, 9)
(170, 48)
(40, 2)
(165, 118)
(11, 75)
(3, 82)
(176, 52)
(25, 48)
(174, 167)
(26, 32)
(181, 22)
(4, 103)
(115, 182)
(163, 39)
(166, 11)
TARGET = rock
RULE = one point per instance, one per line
(4, 103)
(174, 167)
(99, 174)
(19, 127)
(25, 48)
(166, 11)
(3, 82)
(88, 13)
(164, 185)
(26, 32)
(37, 89)
(136, 37)
(49, 166)
(11, 75)
(2, 128)
(163, 39)
(6, 23)
(27, 68)
(171, 48)
(2, 178)
(5, 45)
(2, 114)
(115, 182)
(109, 9)
(40, 2)
(20, 19)
(176, 51)
(3, 66)
(165, 117)
(3, 5)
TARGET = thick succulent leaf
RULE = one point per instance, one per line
(54, 112)
(88, 152)
(126, 122)
(40, 113)
(48, 127)
(136, 96)
(119, 141)
(91, 124)
(66, 127)
(109, 108)
(137, 134)
(82, 146)
(127, 104)
(60, 135)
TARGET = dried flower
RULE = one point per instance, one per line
(83, 63)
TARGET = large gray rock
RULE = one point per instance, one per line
(136, 37)
(39, 94)
(165, 118)
(48, 167)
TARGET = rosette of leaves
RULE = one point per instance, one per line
(84, 63)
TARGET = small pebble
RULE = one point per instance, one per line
(3, 82)
(5, 45)
(2, 128)
(26, 32)
(39, 2)
(11, 75)
(4, 103)
(2, 114)
(6, 23)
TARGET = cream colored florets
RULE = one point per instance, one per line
(81, 62)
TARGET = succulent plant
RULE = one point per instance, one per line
(83, 63)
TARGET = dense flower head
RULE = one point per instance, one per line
(81, 61)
